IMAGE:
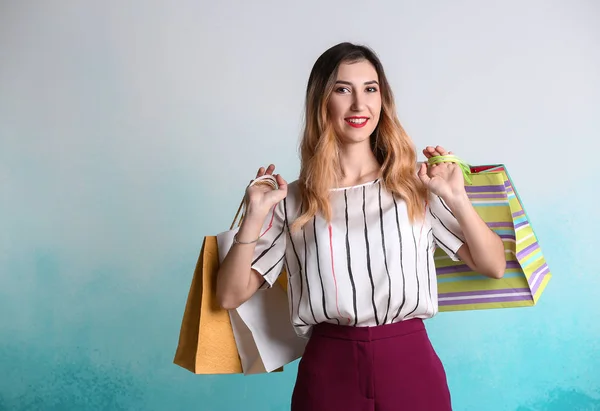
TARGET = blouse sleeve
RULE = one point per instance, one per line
(269, 252)
(447, 233)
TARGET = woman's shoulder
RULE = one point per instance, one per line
(293, 191)
(290, 206)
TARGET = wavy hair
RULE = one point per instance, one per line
(319, 149)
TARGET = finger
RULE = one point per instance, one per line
(270, 169)
(441, 150)
(423, 174)
(427, 153)
(435, 151)
(425, 179)
(281, 183)
(260, 172)
(431, 150)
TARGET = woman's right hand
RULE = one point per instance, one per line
(261, 197)
(236, 280)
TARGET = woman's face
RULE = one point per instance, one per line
(355, 104)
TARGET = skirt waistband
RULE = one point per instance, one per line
(368, 333)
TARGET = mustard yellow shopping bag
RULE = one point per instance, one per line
(206, 343)
(206, 339)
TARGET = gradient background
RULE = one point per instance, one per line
(128, 131)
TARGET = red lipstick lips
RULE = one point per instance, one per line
(357, 122)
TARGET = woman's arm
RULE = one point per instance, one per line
(236, 280)
(483, 251)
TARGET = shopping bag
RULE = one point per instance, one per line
(206, 342)
(262, 327)
(496, 200)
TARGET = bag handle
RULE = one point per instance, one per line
(238, 215)
(451, 158)
(266, 179)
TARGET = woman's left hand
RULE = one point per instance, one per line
(444, 179)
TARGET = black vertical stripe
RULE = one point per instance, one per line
(369, 257)
(349, 261)
(401, 261)
(445, 206)
(446, 248)
(297, 259)
(291, 288)
(273, 266)
(306, 276)
(443, 225)
(416, 272)
(383, 248)
(429, 270)
(264, 252)
(319, 271)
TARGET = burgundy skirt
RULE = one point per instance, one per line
(385, 368)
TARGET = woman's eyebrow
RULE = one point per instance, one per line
(349, 83)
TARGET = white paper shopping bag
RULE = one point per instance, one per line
(264, 335)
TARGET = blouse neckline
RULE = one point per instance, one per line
(372, 182)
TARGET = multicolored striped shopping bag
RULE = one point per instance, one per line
(496, 200)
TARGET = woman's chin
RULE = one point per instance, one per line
(355, 138)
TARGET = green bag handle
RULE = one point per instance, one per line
(451, 158)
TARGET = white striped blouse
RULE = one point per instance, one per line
(369, 266)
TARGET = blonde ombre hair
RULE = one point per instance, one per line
(319, 161)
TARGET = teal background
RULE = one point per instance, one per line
(128, 131)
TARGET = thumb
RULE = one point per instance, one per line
(423, 174)
(281, 183)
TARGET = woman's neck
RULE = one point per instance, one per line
(359, 164)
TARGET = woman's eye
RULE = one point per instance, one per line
(343, 90)
(372, 89)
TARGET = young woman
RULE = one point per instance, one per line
(356, 233)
